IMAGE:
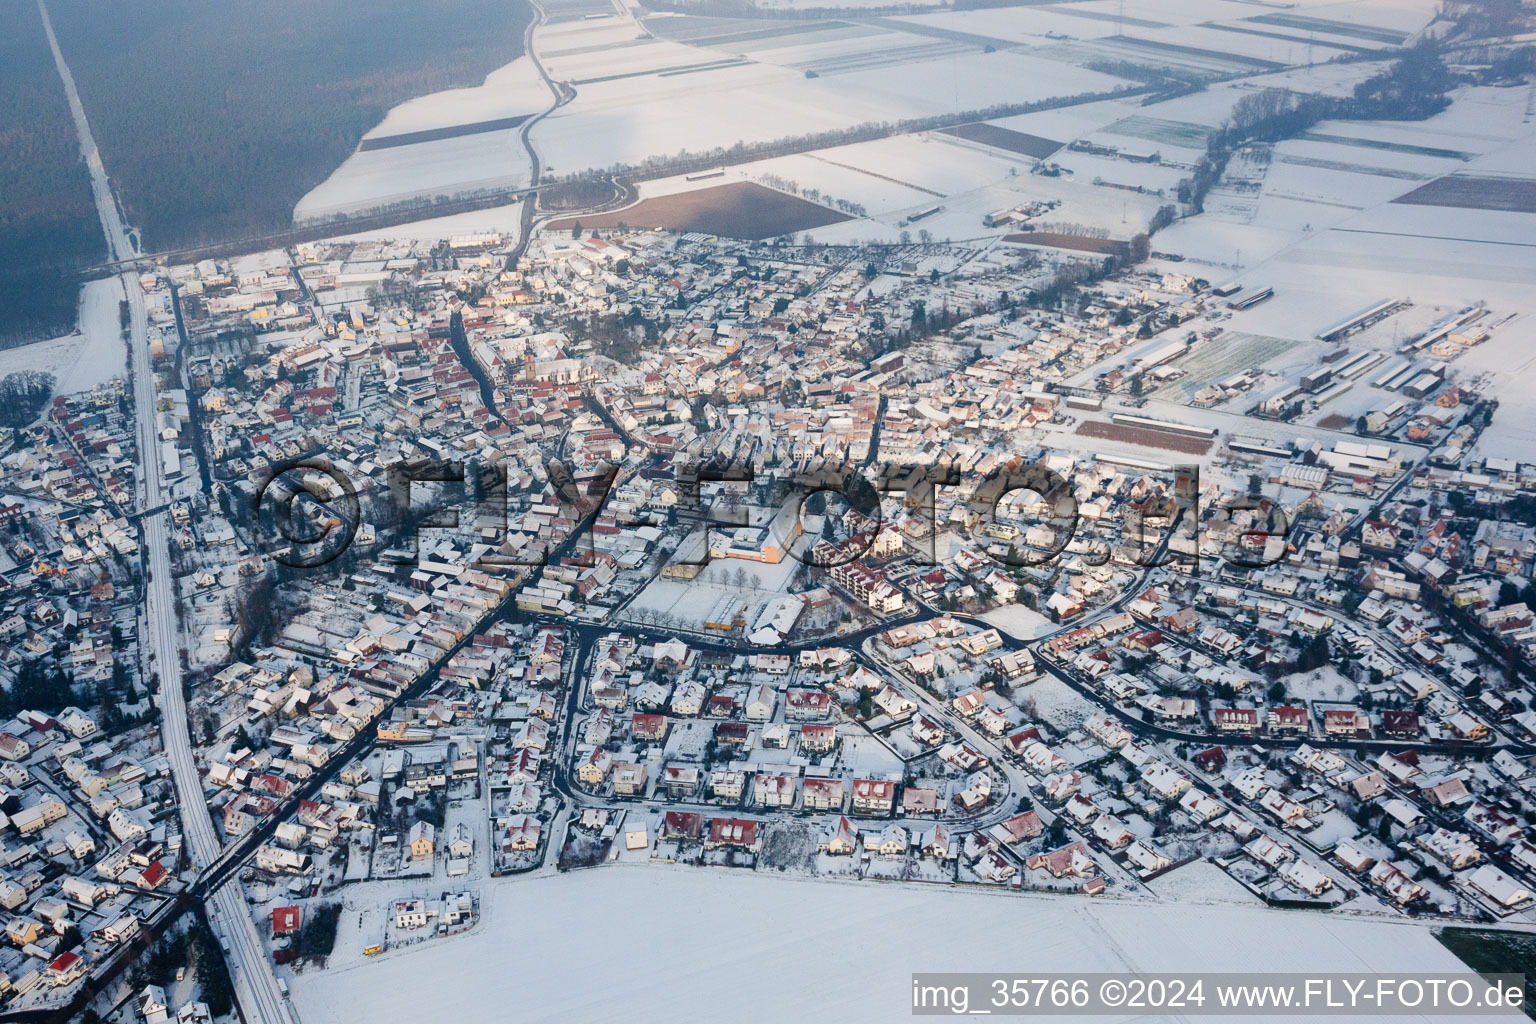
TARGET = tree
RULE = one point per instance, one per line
(22, 395)
(576, 230)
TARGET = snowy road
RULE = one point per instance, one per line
(254, 982)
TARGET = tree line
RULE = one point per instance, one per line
(214, 120)
(48, 223)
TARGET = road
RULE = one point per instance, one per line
(255, 984)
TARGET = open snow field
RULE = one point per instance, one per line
(651, 943)
(446, 166)
(93, 354)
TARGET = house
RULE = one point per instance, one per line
(1072, 859)
(818, 739)
(1346, 722)
(13, 748)
(920, 801)
(1019, 829)
(412, 914)
(65, 969)
(1235, 720)
(1201, 806)
(594, 768)
(682, 825)
(842, 840)
(286, 921)
(1110, 831)
(1164, 780)
(1107, 731)
(806, 705)
(873, 796)
(648, 727)
(736, 833)
(520, 833)
(727, 785)
(760, 703)
(1456, 849)
(152, 1005)
(680, 780)
(977, 791)
(1499, 887)
(1301, 875)
(629, 779)
(773, 790)
(994, 867)
(822, 794)
(461, 842)
(1283, 718)
(1147, 858)
(927, 731)
(969, 703)
(893, 704)
(891, 841)
(422, 840)
(1396, 883)
(1268, 852)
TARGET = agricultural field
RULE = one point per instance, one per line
(1061, 240)
(1144, 437)
(1161, 130)
(1514, 195)
(1327, 26)
(1005, 138)
(683, 905)
(737, 210)
(455, 142)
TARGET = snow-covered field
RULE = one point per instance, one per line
(93, 354)
(651, 943)
(464, 164)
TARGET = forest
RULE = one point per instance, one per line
(215, 118)
(48, 225)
